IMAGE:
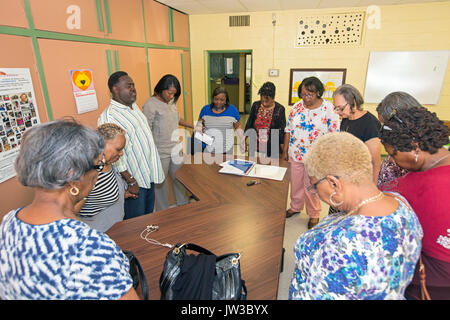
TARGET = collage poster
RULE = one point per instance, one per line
(18, 113)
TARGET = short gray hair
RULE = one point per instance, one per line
(351, 95)
(57, 152)
(396, 101)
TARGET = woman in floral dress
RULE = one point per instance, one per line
(370, 248)
(309, 119)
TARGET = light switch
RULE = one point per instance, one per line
(273, 72)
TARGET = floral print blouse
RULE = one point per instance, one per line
(305, 126)
(358, 257)
(389, 171)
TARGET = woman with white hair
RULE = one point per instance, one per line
(370, 248)
(45, 251)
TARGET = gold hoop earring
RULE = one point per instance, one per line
(334, 204)
(74, 191)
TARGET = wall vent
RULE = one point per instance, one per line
(338, 29)
(239, 21)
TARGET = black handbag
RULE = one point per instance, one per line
(226, 282)
(137, 273)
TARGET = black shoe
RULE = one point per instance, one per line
(313, 222)
(290, 213)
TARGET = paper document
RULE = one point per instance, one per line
(256, 171)
(204, 138)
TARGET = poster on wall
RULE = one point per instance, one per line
(331, 79)
(18, 113)
(83, 90)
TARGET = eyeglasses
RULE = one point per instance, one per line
(308, 95)
(340, 108)
(313, 187)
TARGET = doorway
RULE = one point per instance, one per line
(232, 70)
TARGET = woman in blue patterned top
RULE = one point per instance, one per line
(370, 248)
(45, 251)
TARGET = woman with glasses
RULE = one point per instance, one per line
(45, 251)
(366, 251)
(104, 206)
(415, 139)
(309, 119)
(362, 124)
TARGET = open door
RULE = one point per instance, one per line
(233, 71)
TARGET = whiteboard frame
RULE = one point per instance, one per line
(419, 73)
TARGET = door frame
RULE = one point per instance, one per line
(208, 71)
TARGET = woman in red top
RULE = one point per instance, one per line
(414, 138)
(268, 119)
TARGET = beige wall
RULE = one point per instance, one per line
(403, 27)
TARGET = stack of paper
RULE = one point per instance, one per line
(252, 169)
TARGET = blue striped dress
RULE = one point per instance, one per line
(61, 260)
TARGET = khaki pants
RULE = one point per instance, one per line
(161, 189)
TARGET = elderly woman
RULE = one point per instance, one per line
(309, 119)
(45, 251)
(104, 206)
(266, 116)
(362, 124)
(389, 170)
(415, 139)
(366, 251)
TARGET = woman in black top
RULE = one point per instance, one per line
(268, 120)
(348, 103)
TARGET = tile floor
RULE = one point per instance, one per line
(294, 227)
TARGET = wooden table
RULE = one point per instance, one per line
(228, 217)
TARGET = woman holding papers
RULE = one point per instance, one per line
(267, 117)
(163, 118)
(218, 120)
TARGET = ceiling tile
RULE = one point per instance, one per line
(234, 6)
(298, 4)
(324, 4)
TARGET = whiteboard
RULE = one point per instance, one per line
(419, 73)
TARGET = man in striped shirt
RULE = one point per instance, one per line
(140, 166)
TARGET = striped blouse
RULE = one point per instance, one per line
(141, 157)
(104, 194)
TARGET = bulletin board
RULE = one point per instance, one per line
(419, 73)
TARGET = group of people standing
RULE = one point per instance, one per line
(388, 244)
(368, 247)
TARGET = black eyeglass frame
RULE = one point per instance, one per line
(314, 185)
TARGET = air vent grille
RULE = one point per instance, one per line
(239, 21)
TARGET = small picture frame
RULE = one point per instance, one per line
(331, 79)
